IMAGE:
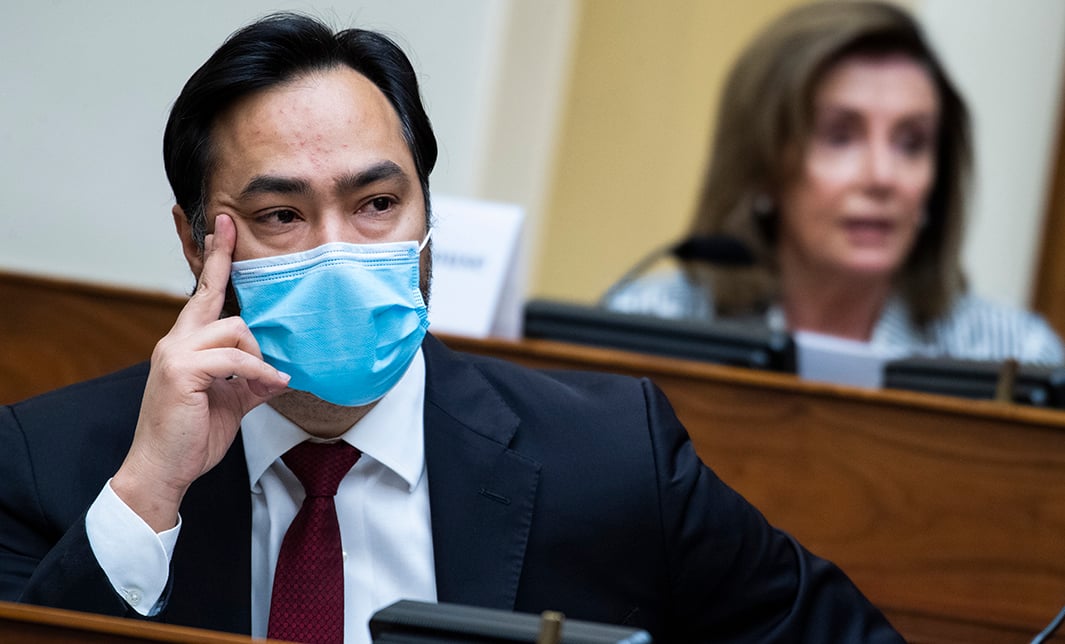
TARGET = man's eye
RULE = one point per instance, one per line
(382, 203)
(279, 216)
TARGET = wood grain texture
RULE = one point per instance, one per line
(948, 513)
(36, 625)
(55, 333)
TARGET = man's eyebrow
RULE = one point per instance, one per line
(384, 170)
(267, 184)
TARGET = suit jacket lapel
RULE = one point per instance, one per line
(481, 493)
(211, 573)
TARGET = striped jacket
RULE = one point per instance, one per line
(973, 329)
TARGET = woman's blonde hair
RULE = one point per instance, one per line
(764, 123)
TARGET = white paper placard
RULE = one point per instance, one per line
(847, 362)
(476, 278)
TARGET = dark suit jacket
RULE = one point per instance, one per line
(578, 492)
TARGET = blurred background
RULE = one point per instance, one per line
(593, 115)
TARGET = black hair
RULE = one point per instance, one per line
(269, 52)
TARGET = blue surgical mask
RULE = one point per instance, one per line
(343, 320)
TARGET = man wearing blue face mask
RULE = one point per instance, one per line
(299, 453)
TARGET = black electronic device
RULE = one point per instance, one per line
(726, 342)
(1041, 386)
(413, 622)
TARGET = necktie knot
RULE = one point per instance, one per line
(321, 466)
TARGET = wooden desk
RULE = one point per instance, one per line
(949, 514)
(34, 624)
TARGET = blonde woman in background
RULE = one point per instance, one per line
(841, 158)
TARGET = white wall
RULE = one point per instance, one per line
(1006, 58)
(87, 87)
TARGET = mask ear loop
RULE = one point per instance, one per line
(425, 242)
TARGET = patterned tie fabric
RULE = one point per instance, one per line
(308, 595)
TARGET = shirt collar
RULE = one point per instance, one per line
(391, 433)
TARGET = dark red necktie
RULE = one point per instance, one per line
(308, 597)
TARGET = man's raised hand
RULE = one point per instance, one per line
(206, 373)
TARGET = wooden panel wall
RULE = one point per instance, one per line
(949, 514)
(55, 333)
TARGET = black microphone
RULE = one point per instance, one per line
(717, 250)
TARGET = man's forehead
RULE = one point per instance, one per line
(312, 120)
(337, 90)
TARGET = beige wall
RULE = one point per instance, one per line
(593, 115)
(641, 99)
(635, 131)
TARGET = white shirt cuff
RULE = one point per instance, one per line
(134, 557)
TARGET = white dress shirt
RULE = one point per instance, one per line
(382, 506)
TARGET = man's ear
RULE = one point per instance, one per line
(192, 250)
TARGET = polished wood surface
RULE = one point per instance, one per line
(55, 333)
(949, 514)
(36, 625)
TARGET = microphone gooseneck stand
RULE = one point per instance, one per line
(716, 250)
